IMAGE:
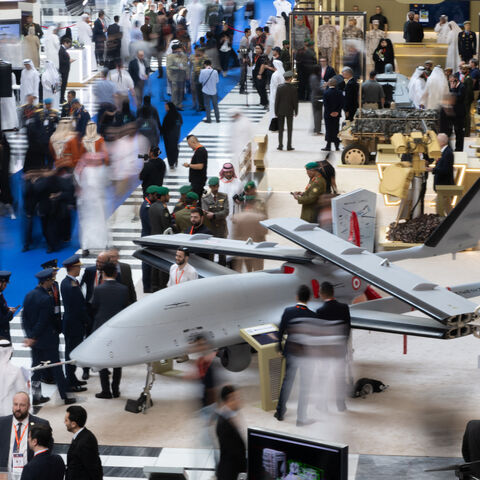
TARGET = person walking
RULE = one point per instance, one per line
(64, 62)
(38, 321)
(83, 459)
(171, 130)
(177, 63)
(109, 298)
(317, 86)
(259, 75)
(6, 312)
(286, 106)
(197, 175)
(209, 79)
(139, 71)
(291, 317)
(332, 109)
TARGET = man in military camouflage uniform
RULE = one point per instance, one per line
(372, 40)
(327, 40)
(182, 217)
(309, 199)
(216, 208)
(300, 33)
(177, 65)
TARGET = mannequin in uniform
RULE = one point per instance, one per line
(8, 109)
(327, 40)
(372, 39)
(90, 174)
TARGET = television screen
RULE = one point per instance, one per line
(9, 30)
(276, 456)
(456, 10)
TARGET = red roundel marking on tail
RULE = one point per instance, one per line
(356, 283)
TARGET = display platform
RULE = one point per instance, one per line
(81, 68)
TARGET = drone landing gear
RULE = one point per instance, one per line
(144, 401)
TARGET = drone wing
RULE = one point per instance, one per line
(431, 299)
(208, 244)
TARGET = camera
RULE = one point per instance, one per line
(239, 197)
(145, 157)
(243, 51)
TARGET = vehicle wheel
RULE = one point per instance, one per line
(355, 154)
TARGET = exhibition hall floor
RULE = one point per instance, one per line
(433, 389)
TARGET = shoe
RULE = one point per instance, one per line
(278, 416)
(326, 149)
(337, 148)
(207, 121)
(280, 147)
(218, 121)
(116, 394)
(86, 375)
(85, 253)
(25, 248)
(309, 421)
(40, 400)
(103, 395)
(80, 383)
(69, 401)
(290, 149)
(49, 381)
(77, 389)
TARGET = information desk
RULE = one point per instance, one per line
(271, 365)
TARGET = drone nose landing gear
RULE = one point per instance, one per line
(144, 401)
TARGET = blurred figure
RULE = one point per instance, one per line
(83, 459)
(177, 63)
(150, 197)
(436, 88)
(471, 442)
(9, 113)
(64, 62)
(332, 109)
(351, 94)
(91, 177)
(124, 274)
(31, 47)
(242, 131)
(80, 116)
(12, 379)
(452, 116)
(114, 40)
(181, 271)
(453, 55)
(149, 121)
(416, 87)
(334, 322)
(153, 170)
(291, 317)
(51, 84)
(29, 81)
(317, 86)
(109, 298)
(6, 312)
(171, 130)
(84, 30)
(195, 15)
(139, 71)
(442, 29)
(233, 458)
(44, 464)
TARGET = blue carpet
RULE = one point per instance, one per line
(25, 265)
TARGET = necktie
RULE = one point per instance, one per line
(214, 199)
(16, 446)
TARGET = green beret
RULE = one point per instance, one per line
(163, 191)
(286, 42)
(311, 166)
(249, 185)
(152, 189)
(185, 189)
(309, 43)
(213, 181)
(192, 196)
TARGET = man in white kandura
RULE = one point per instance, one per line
(181, 271)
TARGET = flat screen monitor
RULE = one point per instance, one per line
(278, 456)
(429, 13)
(9, 29)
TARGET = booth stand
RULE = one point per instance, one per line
(271, 365)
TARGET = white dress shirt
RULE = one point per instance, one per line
(23, 444)
(181, 275)
(75, 435)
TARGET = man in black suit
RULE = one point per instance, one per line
(44, 464)
(351, 94)
(64, 65)
(139, 71)
(336, 318)
(332, 109)
(109, 298)
(124, 274)
(443, 173)
(98, 37)
(75, 317)
(457, 90)
(286, 107)
(14, 433)
(114, 41)
(83, 459)
(326, 71)
(291, 317)
(233, 458)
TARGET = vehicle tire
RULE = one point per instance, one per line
(355, 154)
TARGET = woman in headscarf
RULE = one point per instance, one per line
(436, 89)
(124, 116)
(52, 45)
(416, 87)
(90, 174)
(29, 81)
(276, 80)
(31, 47)
(171, 126)
(148, 121)
(51, 83)
(383, 55)
(453, 57)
